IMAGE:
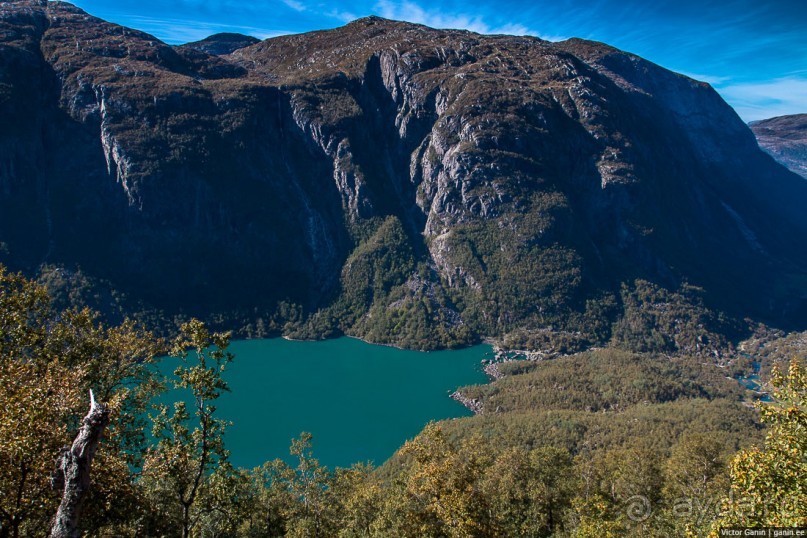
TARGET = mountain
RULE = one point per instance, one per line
(387, 180)
(221, 44)
(785, 139)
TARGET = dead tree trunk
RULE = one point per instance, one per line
(72, 473)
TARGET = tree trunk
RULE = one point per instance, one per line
(186, 521)
(73, 470)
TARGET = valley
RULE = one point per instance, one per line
(271, 264)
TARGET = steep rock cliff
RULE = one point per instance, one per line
(389, 178)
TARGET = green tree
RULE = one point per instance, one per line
(268, 502)
(695, 478)
(309, 486)
(441, 488)
(769, 484)
(49, 359)
(179, 472)
(528, 492)
(360, 499)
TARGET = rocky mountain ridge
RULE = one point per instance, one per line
(785, 139)
(384, 179)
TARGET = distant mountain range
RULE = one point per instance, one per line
(785, 139)
(384, 179)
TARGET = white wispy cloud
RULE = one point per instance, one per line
(343, 16)
(407, 10)
(295, 5)
(177, 31)
(760, 100)
(226, 9)
(210, 5)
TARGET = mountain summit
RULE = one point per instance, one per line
(384, 179)
(785, 139)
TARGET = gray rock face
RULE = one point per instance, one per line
(530, 176)
(785, 139)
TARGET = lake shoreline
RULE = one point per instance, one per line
(489, 366)
(360, 400)
(482, 341)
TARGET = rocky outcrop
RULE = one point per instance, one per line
(785, 139)
(473, 404)
(531, 178)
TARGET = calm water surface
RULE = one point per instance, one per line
(360, 401)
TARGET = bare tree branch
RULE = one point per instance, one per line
(73, 470)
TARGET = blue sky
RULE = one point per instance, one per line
(753, 52)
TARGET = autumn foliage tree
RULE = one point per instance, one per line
(189, 458)
(553, 465)
(49, 360)
(769, 484)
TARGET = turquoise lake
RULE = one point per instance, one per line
(360, 401)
